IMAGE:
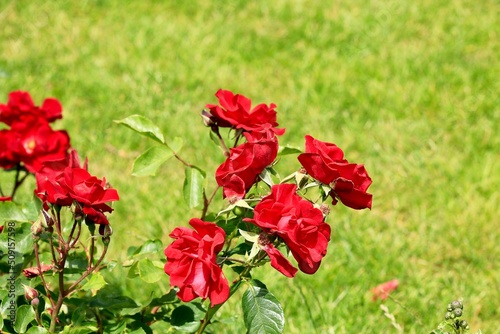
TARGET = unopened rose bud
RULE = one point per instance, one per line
(208, 118)
(78, 214)
(39, 224)
(35, 302)
(30, 293)
(105, 230)
(457, 312)
(464, 324)
(447, 315)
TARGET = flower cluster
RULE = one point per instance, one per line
(30, 140)
(65, 182)
(283, 216)
(258, 126)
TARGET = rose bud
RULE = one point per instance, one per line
(30, 293)
(208, 118)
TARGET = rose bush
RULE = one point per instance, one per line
(264, 218)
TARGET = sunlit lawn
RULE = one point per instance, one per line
(410, 89)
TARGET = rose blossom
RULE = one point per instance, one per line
(32, 141)
(7, 159)
(349, 182)
(192, 262)
(63, 182)
(20, 104)
(245, 162)
(298, 223)
(235, 111)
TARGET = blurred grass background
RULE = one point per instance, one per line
(410, 89)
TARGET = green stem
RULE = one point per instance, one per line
(60, 299)
(221, 140)
(207, 202)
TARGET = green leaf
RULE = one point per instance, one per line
(79, 330)
(37, 330)
(10, 211)
(150, 271)
(144, 126)
(187, 317)
(193, 187)
(176, 144)
(168, 298)
(24, 315)
(285, 150)
(149, 247)
(109, 299)
(23, 236)
(95, 282)
(262, 312)
(147, 164)
(76, 263)
(266, 177)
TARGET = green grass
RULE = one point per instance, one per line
(410, 89)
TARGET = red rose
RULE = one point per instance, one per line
(20, 104)
(7, 142)
(245, 162)
(64, 182)
(32, 141)
(298, 223)
(235, 111)
(192, 262)
(349, 182)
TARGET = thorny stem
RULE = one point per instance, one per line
(60, 299)
(91, 250)
(39, 266)
(63, 249)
